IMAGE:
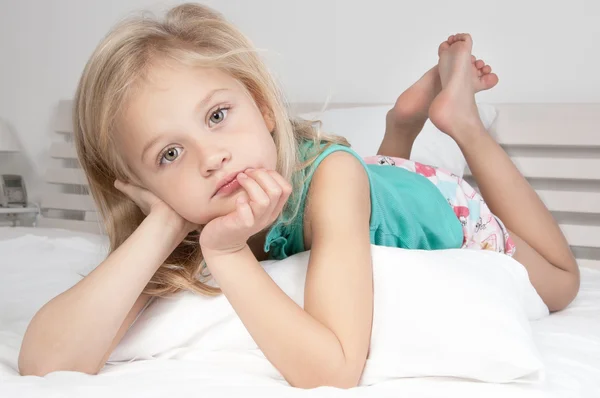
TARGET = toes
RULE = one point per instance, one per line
(479, 64)
(489, 80)
(455, 38)
(443, 47)
(460, 37)
(464, 37)
(473, 59)
(486, 69)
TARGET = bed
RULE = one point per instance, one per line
(556, 146)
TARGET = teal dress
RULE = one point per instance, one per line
(407, 210)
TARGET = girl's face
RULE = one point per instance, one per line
(186, 131)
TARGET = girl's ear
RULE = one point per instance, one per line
(269, 119)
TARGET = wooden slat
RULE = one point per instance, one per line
(556, 168)
(569, 201)
(53, 200)
(559, 168)
(582, 235)
(66, 176)
(74, 225)
(594, 264)
(63, 150)
(91, 216)
(547, 124)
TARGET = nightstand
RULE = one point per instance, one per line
(14, 213)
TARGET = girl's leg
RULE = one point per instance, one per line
(541, 246)
(406, 119)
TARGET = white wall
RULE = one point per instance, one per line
(355, 51)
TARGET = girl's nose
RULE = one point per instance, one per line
(213, 159)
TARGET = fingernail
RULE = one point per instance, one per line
(242, 175)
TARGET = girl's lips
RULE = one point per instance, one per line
(229, 188)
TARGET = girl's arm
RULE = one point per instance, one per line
(78, 329)
(327, 342)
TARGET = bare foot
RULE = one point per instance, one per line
(406, 119)
(408, 116)
(481, 74)
(454, 109)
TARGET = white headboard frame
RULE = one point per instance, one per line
(555, 146)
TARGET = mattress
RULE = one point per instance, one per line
(569, 341)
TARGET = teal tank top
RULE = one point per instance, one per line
(407, 210)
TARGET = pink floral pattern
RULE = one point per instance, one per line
(482, 230)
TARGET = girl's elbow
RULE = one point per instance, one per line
(36, 366)
(349, 379)
(42, 370)
(350, 376)
(33, 368)
(567, 292)
(339, 381)
(344, 377)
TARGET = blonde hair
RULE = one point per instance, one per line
(193, 35)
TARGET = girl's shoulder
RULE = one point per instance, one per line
(312, 153)
(287, 237)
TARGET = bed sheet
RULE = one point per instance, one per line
(569, 341)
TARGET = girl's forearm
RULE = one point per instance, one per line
(75, 329)
(306, 352)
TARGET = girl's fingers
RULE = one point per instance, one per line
(267, 194)
(279, 190)
(245, 215)
(134, 192)
(270, 187)
(285, 185)
(286, 190)
(277, 209)
(131, 191)
(267, 183)
(143, 198)
(242, 217)
(261, 203)
(258, 197)
(123, 187)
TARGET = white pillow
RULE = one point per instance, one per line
(456, 313)
(364, 128)
(460, 313)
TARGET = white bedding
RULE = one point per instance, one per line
(569, 343)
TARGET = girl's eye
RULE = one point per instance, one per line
(217, 116)
(169, 155)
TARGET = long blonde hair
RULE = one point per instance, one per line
(193, 35)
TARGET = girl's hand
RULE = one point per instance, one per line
(149, 203)
(267, 193)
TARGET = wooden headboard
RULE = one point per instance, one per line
(67, 204)
(556, 146)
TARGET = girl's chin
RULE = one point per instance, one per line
(224, 206)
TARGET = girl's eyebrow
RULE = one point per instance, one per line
(208, 97)
(198, 107)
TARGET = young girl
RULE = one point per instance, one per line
(197, 169)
